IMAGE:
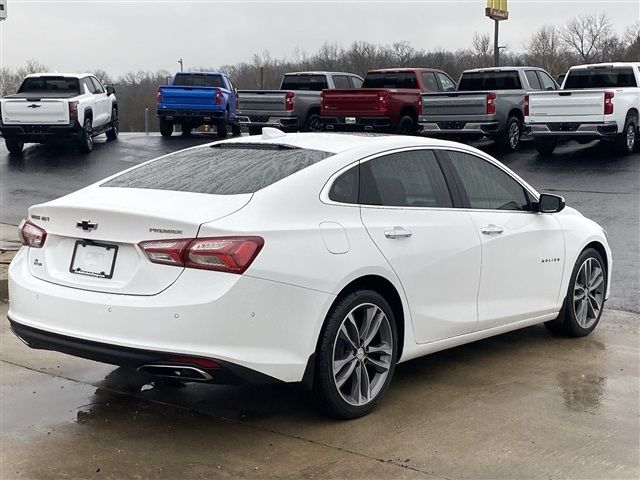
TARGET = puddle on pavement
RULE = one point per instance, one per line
(582, 392)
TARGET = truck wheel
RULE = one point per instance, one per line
(509, 140)
(185, 129)
(14, 146)
(235, 129)
(221, 128)
(166, 127)
(313, 123)
(85, 144)
(255, 130)
(406, 126)
(546, 146)
(112, 134)
(625, 142)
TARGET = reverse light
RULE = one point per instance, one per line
(526, 105)
(218, 97)
(224, 254)
(491, 103)
(383, 101)
(288, 100)
(608, 103)
(31, 235)
(158, 96)
(73, 112)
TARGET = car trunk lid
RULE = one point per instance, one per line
(357, 102)
(566, 105)
(454, 104)
(177, 96)
(33, 109)
(261, 101)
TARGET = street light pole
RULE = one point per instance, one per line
(496, 48)
(180, 62)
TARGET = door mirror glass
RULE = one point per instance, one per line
(550, 203)
(110, 90)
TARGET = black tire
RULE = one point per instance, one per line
(509, 140)
(185, 128)
(546, 146)
(112, 133)
(568, 322)
(255, 130)
(313, 123)
(14, 146)
(331, 399)
(235, 129)
(85, 142)
(625, 143)
(406, 126)
(166, 127)
(221, 126)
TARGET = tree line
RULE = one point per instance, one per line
(583, 39)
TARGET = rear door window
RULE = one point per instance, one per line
(532, 78)
(356, 82)
(390, 80)
(546, 81)
(600, 78)
(220, 170)
(89, 85)
(429, 81)
(96, 85)
(491, 80)
(50, 84)
(448, 85)
(341, 81)
(313, 83)
(198, 80)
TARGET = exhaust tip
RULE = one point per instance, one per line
(182, 372)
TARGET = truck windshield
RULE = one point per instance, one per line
(198, 80)
(600, 78)
(496, 80)
(313, 83)
(50, 84)
(390, 80)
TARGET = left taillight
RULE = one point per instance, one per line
(223, 254)
(31, 235)
(73, 112)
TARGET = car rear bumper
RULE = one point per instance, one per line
(268, 119)
(460, 127)
(39, 133)
(572, 130)
(236, 320)
(175, 113)
(347, 123)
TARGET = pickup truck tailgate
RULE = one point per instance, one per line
(177, 96)
(355, 102)
(23, 111)
(454, 104)
(566, 105)
(256, 100)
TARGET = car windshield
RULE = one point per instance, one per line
(496, 80)
(304, 82)
(198, 80)
(223, 169)
(50, 84)
(390, 80)
(600, 78)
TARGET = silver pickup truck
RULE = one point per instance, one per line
(487, 102)
(295, 106)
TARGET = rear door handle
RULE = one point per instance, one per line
(398, 232)
(492, 229)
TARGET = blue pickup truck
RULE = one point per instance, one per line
(198, 98)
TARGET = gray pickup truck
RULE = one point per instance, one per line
(487, 102)
(295, 106)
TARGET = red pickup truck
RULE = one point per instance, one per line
(389, 100)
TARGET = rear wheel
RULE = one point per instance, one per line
(14, 146)
(509, 140)
(112, 134)
(625, 142)
(221, 126)
(356, 355)
(585, 297)
(166, 127)
(235, 129)
(255, 130)
(313, 123)
(185, 128)
(546, 146)
(406, 126)
(85, 143)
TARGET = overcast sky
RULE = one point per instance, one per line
(119, 36)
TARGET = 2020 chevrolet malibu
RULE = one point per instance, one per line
(317, 258)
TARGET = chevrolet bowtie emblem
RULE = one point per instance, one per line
(87, 225)
(34, 105)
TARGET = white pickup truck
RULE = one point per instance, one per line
(53, 106)
(600, 101)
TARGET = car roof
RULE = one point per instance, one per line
(606, 65)
(210, 72)
(401, 70)
(500, 69)
(320, 72)
(59, 74)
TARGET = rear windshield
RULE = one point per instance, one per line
(195, 80)
(390, 80)
(222, 170)
(479, 81)
(304, 82)
(50, 84)
(600, 78)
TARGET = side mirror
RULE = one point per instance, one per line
(110, 90)
(550, 203)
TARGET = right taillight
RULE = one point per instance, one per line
(159, 96)
(288, 100)
(31, 235)
(224, 254)
(73, 112)
(383, 101)
(526, 105)
(491, 103)
(608, 102)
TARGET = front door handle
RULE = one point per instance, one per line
(492, 229)
(398, 232)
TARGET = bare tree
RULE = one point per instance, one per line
(590, 36)
(631, 42)
(481, 48)
(546, 49)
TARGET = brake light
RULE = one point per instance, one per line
(218, 97)
(288, 100)
(526, 105)
(31, 235)
(159, 96)
(224, 254)
(491, 103)
(383, 101)
(73, 112)
(608, 103)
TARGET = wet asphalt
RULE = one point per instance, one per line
(602, 185)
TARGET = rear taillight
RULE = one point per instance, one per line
(73, 112)
(31, 235)
(159, 96)
(608, 103)
(383, 101)
(288, 100)
(224, 254)
(526, 105)
(218, 97)
(491, 103)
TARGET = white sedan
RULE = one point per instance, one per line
(317, 258)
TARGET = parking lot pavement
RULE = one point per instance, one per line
(523, 404)
(603, 186)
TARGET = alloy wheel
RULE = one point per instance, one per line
(631, 137)
(514, 135)
(588, 293)
(362, 354)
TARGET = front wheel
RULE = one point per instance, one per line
(510, 138)
(356, 355)
(546, 146)
(14, 146)
(166, 127)
(85, 144)
(625, 142)
(235, 129)
(112, 134)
